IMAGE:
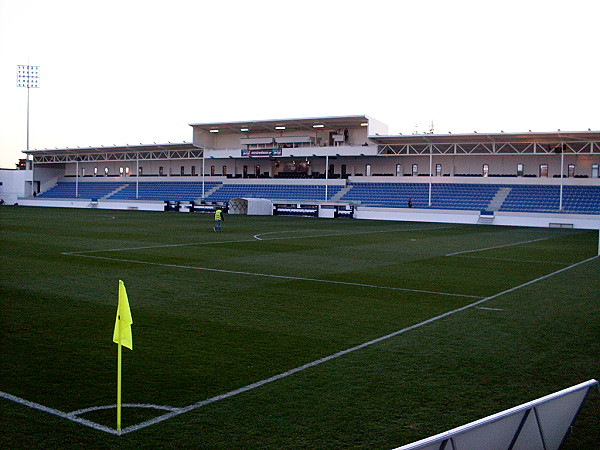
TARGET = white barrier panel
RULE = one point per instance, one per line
(541, 424)
(251, 206)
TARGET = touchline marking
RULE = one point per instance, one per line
(497, 246)
(270, 275)
(341, 353)
(489, 309)
(56, 412)
(178, 411)
(516, 260)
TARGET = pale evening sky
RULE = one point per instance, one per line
(139, 71)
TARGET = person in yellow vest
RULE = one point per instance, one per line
(218, 219)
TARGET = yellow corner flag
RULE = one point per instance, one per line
(122, 334)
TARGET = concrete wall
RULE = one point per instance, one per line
(14, 184)
(583, 221)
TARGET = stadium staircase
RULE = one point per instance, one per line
(340, 194)
(498, 199)
(120, 188)
(209, 192)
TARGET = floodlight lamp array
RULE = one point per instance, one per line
(28, 76)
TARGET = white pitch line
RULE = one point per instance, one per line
(497, 246)
(56, 412)
(254, 238)
(125, 405)
(270, 275)
(516, 260)
(489, 309)
(341, 353)
(265, 381)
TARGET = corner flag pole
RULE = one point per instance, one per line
(119, 387)
(122, 336)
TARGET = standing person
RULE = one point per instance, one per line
(218, 219)
(410, 202)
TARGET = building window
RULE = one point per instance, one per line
(398, 170)
(438, 170)
(368, 170)
(520, 170)
(486, 170)
(193, 171)
(543, 170)
(571, 171)
(415, 170)
(595, 170)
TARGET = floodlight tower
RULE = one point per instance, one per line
(29, 77)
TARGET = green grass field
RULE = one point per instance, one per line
(215, 312)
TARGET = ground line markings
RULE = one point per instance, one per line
(188, 244)
(269, 275)
(343, 352)
(515, 260)
(497, 246)
(178, 411)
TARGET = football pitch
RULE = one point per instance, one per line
(286, 332)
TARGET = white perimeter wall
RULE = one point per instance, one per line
(583, 221)
(14, 183)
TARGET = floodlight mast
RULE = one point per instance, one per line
(29, 77)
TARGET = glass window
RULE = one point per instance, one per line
(544, 170)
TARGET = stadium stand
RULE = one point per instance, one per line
(164, 190)
(519, 198)
(70, 189)
(273, 191)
